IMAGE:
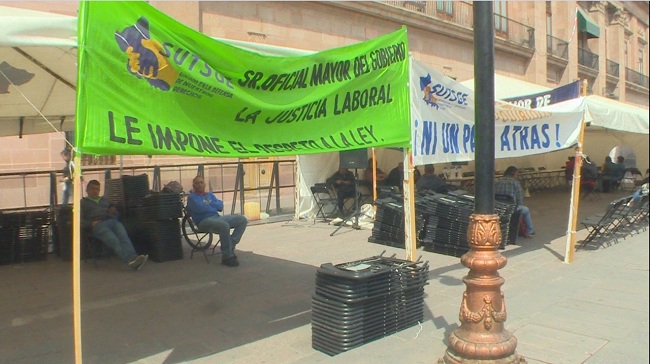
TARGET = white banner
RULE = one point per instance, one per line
(442, 123)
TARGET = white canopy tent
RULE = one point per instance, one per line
(37, 71)
(610, 123)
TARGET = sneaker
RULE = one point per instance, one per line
(137, 262)
(230, 262)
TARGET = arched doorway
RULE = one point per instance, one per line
(626, 152)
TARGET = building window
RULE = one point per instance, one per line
(500, 16)
(549, 18)
(97, 160)
(445, 8)
(640, 60)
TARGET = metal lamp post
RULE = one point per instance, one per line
(481, 337)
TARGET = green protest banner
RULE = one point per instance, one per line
(149, 85)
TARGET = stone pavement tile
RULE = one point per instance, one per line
(635, 301)
(620, 353)
(522, 307)
(604, 313)
(584, 323)
(599, 274)
(394, 350)
(555, 346)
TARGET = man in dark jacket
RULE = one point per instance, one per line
(343, 182)
(99, 216)
(429, 181)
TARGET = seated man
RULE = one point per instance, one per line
(589, 170)
(368, 176)
(99, 216)
(396, 176)
(610, 175)
(620, 168)
(430, 181)
(204, 208)
(509, 185)
(343, 182)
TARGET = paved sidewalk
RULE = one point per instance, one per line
(594, 310)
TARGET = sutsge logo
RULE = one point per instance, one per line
(425, 87)
(437, 94)
(145, 56)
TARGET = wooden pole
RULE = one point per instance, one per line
(410, 238)
(575, 191)
(374, 175)
(76, 258)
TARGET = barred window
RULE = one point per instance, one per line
(98, 160)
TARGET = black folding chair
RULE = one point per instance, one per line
(589, 189)
(325, 200)
(602, 227)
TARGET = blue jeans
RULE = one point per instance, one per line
(222, 225)
(67, 192)
(525, 212)
(112, 233)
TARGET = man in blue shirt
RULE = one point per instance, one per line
(204, 208)
(509, 185)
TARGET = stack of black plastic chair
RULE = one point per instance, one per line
(135, 188)
(8, 225)
(161, 212)
(364, 300)
(388, 228)
(29, 236)
(447, 222)
(63, 223)
(127, 194)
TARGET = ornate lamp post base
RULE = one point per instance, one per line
(481, 337)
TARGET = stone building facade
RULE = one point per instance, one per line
(550, 43)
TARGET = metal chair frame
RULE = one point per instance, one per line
(200, 241)
(324, 198)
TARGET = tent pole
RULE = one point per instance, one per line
(76, 258)
(410, 237)
(374, 175)
(575, 191)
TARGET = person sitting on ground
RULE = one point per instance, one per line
(204, 207)
(380, 175)
(343, 182)
(430, 181)
(510, 186)
(100, 217)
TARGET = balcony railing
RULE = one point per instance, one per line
(461, 13)
(612, 68)
(514, 31)
(636, 77)
(587, 59)
(557, 47)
